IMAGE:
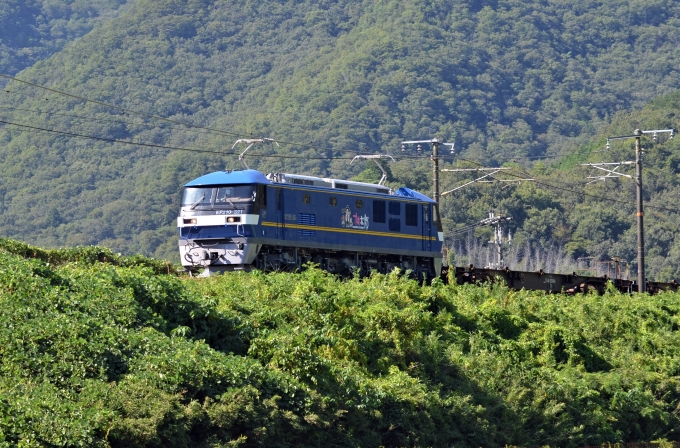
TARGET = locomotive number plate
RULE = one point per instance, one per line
(229, 212)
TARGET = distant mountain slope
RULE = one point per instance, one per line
(32, 30)
(502, 79)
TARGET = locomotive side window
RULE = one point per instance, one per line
(395, 208)
(333, 201)
(305, 198)
(395, 224)
(378, 211)
(261, 197)
(359, 203)
(436, 220)
(197, 197)
(411, 214)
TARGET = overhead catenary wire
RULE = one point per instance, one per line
(96, 119)
(570, 190)
(205, 129)
(233, 134)
(190, 125)
(151, 145)
(197, 150)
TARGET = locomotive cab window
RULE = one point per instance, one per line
(197, 197)
(359, 203)
(237, 193)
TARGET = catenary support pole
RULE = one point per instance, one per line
(641, 279)
(435, 174)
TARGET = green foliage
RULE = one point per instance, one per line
(32, 30)
(504, 80)
(99, 354)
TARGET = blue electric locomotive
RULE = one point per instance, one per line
(242, 220)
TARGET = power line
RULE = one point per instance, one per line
(205, 128)
(176, 122)
(95, 119)
(569, 190)
(150, 145)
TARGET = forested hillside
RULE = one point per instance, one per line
(558, 210)
(504, 80)
(33, 30)
(109, 351)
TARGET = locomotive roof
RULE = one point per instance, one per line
(256, 177)
(403, 191)
(230, 177)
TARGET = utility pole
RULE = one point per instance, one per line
(642, 279)
(435, 160)
(435, 168)
(637, 135)
(497, 221)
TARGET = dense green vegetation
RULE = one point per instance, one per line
(32, 30)
(101, 350)
(504, 80)
(597, 219)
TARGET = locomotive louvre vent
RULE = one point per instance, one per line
(306, 219)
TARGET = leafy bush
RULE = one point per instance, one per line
(106, 354)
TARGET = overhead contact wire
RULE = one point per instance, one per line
(168, 120)
(150, 145)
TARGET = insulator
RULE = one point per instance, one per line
(453, 149)
(672, 130)
(655, 138)
(608, 146)
(403, 148)
(420, 150)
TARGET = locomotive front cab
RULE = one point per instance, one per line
(217, 218)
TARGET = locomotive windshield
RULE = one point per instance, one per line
(197, 197)
(236, 193)
(203, 197)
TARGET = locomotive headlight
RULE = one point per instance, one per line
(234, 219)
(190, 221)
